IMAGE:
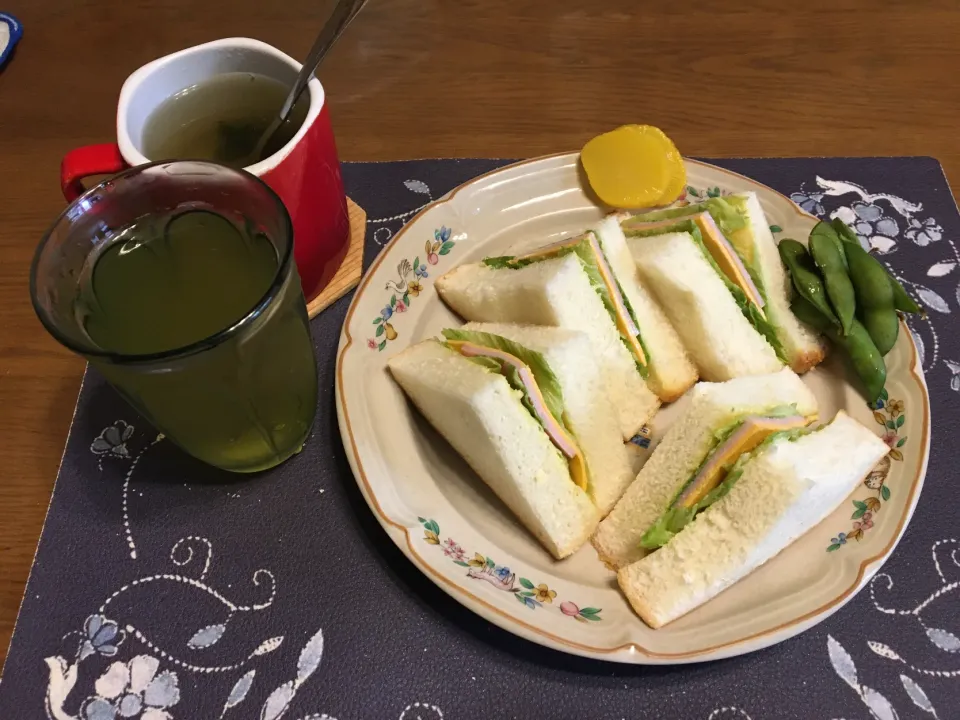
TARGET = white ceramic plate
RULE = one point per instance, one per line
(442, 516)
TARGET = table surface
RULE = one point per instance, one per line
(433, 78)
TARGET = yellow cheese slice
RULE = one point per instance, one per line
(753, 431)
(717, 245)
(726, 257)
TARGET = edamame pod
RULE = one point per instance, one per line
(883, 327)
(866, 359)
(806, 280)
(826, 230)
(829, 258)
(863, 354)
(901, 300)
(844, 231)
(874, 293)
(807, 313)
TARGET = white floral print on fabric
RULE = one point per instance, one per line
(145, 686)
(133, 690)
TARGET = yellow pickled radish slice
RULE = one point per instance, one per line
(677, 186)
(634, 166)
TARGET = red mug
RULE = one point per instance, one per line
(305, 172)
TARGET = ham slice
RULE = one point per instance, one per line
(557, 433)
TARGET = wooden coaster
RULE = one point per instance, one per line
(348, 275)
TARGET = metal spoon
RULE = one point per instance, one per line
(343, 13)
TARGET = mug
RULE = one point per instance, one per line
(305, 172)
(238, 388)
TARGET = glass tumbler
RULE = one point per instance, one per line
(202, 327)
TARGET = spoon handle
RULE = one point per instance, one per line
(343, 13)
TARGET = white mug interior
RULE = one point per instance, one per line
(153, 83)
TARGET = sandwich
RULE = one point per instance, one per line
(501, 408)
(685, 470)
(771, 496)
(567, 285)
(715, 313)
(735, 230)
(671, 372)
(587, 411)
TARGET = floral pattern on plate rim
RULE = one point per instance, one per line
(481, 567)
(407, 287)
(890, 414)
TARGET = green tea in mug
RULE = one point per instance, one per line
(177, 282)
(221, 119)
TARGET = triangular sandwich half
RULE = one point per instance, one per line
(718, 318)
(587, 410)
(721, 422)
(736, 223)
(772, 495)
(502, 412)
(562, 286)
(671, 371)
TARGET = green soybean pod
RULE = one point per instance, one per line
(866, 360)
(806, 279)
(826, 230)
(829, 259)
(844, 232)
(901, 300)
(874, 292)
(807, 313)
(883, 326)
(864, 356)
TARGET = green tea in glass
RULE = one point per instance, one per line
(176, 280)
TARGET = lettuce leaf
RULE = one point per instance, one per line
(487, 362)
(727, 213)
(589, 262)
(745, 246)
(546, 380)
(666, 526)
(676, 518)
(508, 262)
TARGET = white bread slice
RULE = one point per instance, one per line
(681, 451)
(481, 416)
(787, 489)
(672, 372)
(588, 410)
(720, 339)
(804, 347)
(555, 292)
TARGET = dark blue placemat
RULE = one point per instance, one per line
(163, 589)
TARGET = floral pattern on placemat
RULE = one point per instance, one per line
(926, 679)
(481, 567)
